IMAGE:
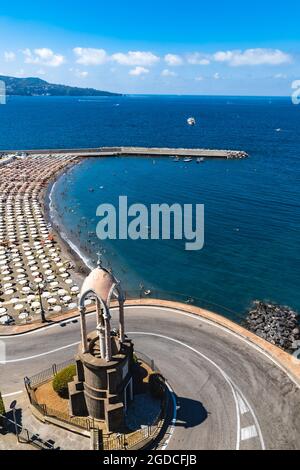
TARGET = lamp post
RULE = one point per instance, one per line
(40, 286)
(13, 408)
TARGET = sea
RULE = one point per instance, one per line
(252, 224)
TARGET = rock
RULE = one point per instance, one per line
(277, 324)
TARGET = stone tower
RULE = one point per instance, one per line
(103, 386)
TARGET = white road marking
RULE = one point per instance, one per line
(248, 433)
(191, 315)
(174, 419)
(254, 417)
(12, 394)
(227, 330)
(23, 359)
(243, 407)
(211, 362)
(235, 390)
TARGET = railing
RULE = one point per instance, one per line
(119, 442)
(131, 440)
(147, 360)
(48, 374)
(31, 384)
(24, 436)
(145, 434)
(143, 293)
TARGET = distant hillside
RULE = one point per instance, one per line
(37, 87)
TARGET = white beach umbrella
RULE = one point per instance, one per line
(23, 315)
(19, 307)
(72, 306)
(35, 305)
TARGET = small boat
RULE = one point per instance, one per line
(176, 159)
(200, 160)
(191, 121)
(187, 159)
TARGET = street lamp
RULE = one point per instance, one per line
(40, 286)
(13, 408)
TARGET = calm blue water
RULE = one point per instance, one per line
(251, 206)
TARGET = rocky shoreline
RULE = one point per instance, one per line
(275, 323)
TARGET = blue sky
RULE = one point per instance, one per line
(177, 47)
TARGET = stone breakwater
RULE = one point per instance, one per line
(140, 152)
(277, 324)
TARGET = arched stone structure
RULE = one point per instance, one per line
(101, 285)
(103, 386)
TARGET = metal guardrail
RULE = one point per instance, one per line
(32, 383)
(24, 436)
(146, 433)
(185, 299)
(48, 374)
(147, 360)
(119, 442)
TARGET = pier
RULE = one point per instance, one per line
(139, 152)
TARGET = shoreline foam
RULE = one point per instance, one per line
(57, 224)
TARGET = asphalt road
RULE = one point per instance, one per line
(228, 394)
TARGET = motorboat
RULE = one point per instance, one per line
(191, 121)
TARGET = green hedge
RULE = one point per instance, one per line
(157, 385)
(61, 380)
(2, 409)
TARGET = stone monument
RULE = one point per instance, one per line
(103, 386)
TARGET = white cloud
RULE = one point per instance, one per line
(138, 71)
(252, 57)
(9, 56)
(199, 79)
(173, 60)
(280, 76)
(135, 58)
(43, 56)
(90, 56)
(217, 76)
(82, 73)
(168, 73)
(198, 59)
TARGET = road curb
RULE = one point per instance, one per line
(285, 361)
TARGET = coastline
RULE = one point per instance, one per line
(68, 249)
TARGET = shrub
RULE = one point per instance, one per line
(157, 385)
(2, 409)
(61, 380)
(135, 359)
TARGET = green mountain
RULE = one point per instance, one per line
(37, 87)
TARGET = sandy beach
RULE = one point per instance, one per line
(40, 274)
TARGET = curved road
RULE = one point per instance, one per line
(228, 394)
